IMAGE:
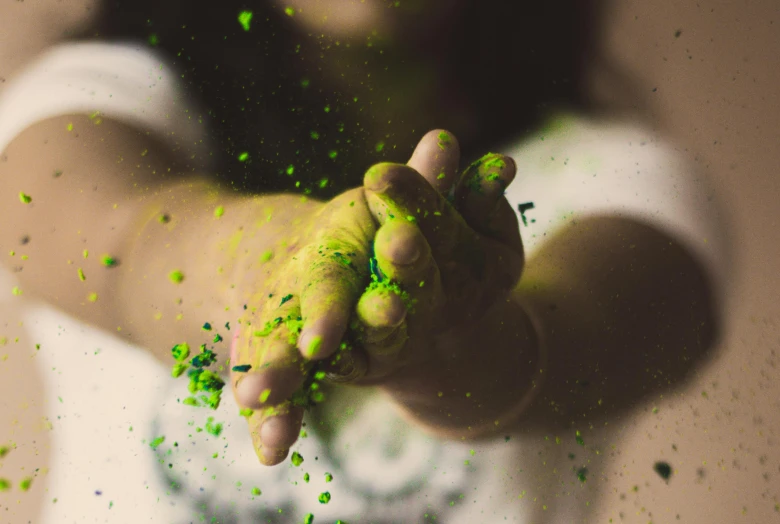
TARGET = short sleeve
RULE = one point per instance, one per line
(578, 167)
(124, 81)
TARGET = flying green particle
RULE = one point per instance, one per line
(154, 444)
(92, 297)
(290, 170)
(57, 173)
(214, 429)
(153, 40)
(379, 147)
(245, 19)
(663, 469)
(324, 497)
(242, 368)
(5, 484)
(289, 11)
(176, 276)
(108, 261)
(306, 477)
(314, 135)
(4, 450)
(164, 218)
(296, 459)
(256, 492)
(308, 519)
(206, 327)
(582, 474)
(245, 412)
(242, 157)
(217, 338)
(191, 401)
(326, 108)
(24, 198)
(178, 369)
(110, 504)
(328, 477)
(323, 183)
(81, 275)
(219, 211)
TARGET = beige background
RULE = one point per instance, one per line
(717, 95)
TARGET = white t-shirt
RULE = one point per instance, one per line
(116, 398)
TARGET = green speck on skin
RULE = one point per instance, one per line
(219, 211)
(16, 291)
(5, 484)
(663, 469)
(315, 345)
(289, 11)
(110, 504)
(81, 275)
(176, 276)
(582, 474)
(268, 255)
(154, 444)
(4, 450)
(206, 326)
(245, 412)
(86, 253)
(24, 485)
(92, 297)
(444, 140)
(324, 497)
(256, 492)
(217, 338)
(296, 459)
(164, 218)
(328, 477)
(24, 198)
(245, 19)
(264, 395)
(108, 261)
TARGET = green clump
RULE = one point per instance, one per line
(4, 450)
(289, 11)
(266, 256)
(108, 261)
(285, 298)
(308, 519)
(328, 477)
(180, 352)
(296, 459)
(242, 157)
(191, 401)
(178, 369)
(25, 484)
(82, 277)
(24, 198)
(206, 327)
(176, 276)
(245, 19)
(205, 359)
(164, 218)
(204, 380)
(245, 412)
(306, 477)
(578, 438)
(154, 444)
(217, 338)
(663, 469)
(5, 484)
(219, 211)
(582, 474)
(324, 497)
(214, 429)
(256, 492)
(242, 368)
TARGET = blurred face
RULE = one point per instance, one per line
(393, 20)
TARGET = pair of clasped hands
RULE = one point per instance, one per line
(448, 241)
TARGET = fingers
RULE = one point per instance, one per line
(436, 158)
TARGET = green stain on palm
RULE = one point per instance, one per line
(25, 484)
(219, 211)
(24, 198)
(324, 497)
(245, 19)
(177, 277)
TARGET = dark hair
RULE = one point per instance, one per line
(514, 60)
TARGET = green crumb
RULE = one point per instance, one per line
(268, 255)
(108, 261)
(256, 492)
(4, 450)
(5, 484)
(663, 469)
(178, 369)
(444, 140)
(314, 135)
(191, 401)
(323, 183)
(204, 359)
(582, 474)
(242, 157)
(285, 299)
(380, 147)
(440, 176)
(328, 477)
(176, 277)
(86, 253)
(308, 519)
(16, 291)
(154, 444)
(180, 352)
(306, 477)
(81, 275)
(164, 218)
(219, 211)
(214, 429)
(242, 368)
(264, 395)
(289, 11)
(315, 345)
(110, 504)
(333, 154)
(296, 459)
(324, 497)
(217, 338)
(206, 327)
(290, 170)
(153, 39)
(245, 19)
(245, 412)
(24, 485)
(92, 297)
(578, 438)
(411, 219)
(24, 198)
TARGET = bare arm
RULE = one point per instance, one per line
(103, 188)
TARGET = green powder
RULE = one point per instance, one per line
(245, 19)
(81, 275)
(24, 485)
(324, 497)
(256, 492)
(176, 276)
(219, 211)
(108, 261)
(296, 459)
(154, 444)
(5, 484)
